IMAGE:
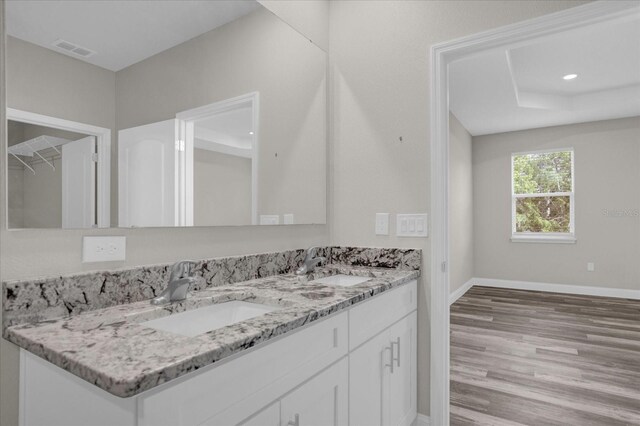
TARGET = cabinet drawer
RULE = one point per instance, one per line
(268, 372)
(372, 316)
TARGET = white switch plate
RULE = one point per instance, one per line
(269, 219)
(103, 249)
(591, 267)
(411, 225)
(382, 223)
(287, 218)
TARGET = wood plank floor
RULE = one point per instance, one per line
(532, 358)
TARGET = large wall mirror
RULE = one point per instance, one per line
(162, 113)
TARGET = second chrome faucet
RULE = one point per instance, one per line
(310, 261)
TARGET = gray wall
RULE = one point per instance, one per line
(222, 189)
(287, 71)
(607, 177)
(460, 205)
(380, 89)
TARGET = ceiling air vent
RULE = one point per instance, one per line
(73, 48)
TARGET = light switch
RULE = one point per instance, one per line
(287, 218)
(103, 249)
(411, 225)
(382, 223)
(591, 267)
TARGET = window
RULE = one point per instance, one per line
(542, 204)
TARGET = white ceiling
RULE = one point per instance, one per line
(121, 32)
(521, 87)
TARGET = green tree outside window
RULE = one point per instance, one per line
(543, 191)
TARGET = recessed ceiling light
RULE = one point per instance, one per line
(570, 76)
(251, 133)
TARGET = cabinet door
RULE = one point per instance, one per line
(400, 393)
(270, 416)
(322, 401)
(368, 377)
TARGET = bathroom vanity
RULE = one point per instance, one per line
(336, 347)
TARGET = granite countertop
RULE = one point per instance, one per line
(111, 349)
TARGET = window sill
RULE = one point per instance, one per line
(545, 239)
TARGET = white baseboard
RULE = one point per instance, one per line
(423, 420)
(459, 292)
(558, 288)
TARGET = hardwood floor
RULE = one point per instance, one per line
(534, 358)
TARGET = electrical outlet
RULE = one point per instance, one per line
(269, 219)
(411, 225)
(103, 249)
(382, 223)
(591, 267)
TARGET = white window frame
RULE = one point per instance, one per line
(545, 237)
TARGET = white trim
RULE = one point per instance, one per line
(186, 122)
(422, 420)
(559, 288)
(550, 238)
(103, 139)
(543, 194)
(461, 291)
(441, 55)
(439, 367)
(543, 151)
(22, 389)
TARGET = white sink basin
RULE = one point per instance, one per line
(201, 320)
(342, 280)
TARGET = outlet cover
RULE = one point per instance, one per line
(288, 218)
(269, 219)
(382, 223)
(591, 267)
(103, 249)
(411, 225)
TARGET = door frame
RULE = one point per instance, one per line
(441, 56)
(186, 161)
(103, 141)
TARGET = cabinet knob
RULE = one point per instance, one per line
(295, 421)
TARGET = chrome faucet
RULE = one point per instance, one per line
(310, 262)
(179, 281)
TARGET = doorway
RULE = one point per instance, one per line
(441, 56)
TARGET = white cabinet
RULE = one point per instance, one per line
(399, 402)
(322, 401)
(270, 416)
(382, 384)
(366, 375)
(357, 367)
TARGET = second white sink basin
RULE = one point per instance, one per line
(201, 320)
(342, 280)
